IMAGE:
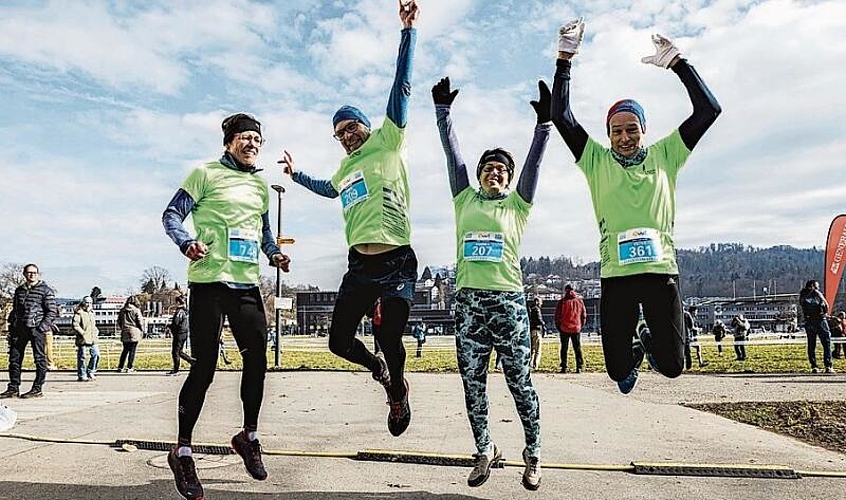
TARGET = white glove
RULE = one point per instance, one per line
(665, 52)
(570, 36)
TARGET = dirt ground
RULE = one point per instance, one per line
(821, 423)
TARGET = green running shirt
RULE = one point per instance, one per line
(488, 234)
(635, 207)
(228, 205)
(373, 186)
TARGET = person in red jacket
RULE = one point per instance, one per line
(570, 315)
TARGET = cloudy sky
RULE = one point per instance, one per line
(107, 106)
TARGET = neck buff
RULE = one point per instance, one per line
(492, 196)
(624, 162)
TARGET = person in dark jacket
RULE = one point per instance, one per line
(536, 327)
(131, 327)
(691, 331)
(33, 312)
(178, 334)
(570, 315)
(814, 309)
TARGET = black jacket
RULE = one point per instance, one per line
(535, 318)
(179, 323)
(33, 307)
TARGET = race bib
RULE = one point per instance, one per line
(483, 247)
(639, 245)
(244, 245)
(353, 190)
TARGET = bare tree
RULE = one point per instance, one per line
(11, 277)
(154, 279)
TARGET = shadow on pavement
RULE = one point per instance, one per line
(162, 489)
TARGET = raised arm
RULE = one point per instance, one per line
(401, 90)
(569, 40)
(321, 187)
(528, 182)
(456, 168)
(705, 106)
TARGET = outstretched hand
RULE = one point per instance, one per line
(544, 103)
(570, 36)
(281, 261)
(287, 162)
(408, 12)
(441, 93)
(665, 52)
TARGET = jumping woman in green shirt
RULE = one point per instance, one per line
(633, 192)
(490, 311)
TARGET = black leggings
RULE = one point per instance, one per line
(209, 303)
(390, 276)
(662, 310)
(127, 355)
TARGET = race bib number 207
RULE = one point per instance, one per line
(483, 246)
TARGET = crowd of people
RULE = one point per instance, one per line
(632, 188)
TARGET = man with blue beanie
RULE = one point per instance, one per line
(372, 183)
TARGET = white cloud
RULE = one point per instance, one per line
(109, 106)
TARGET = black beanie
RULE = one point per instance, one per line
(237, 123)
(500, 155)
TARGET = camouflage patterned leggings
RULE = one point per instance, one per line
(487, 320)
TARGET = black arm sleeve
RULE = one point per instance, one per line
(562, 116)
(705, 106)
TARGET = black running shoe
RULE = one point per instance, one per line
(400, 414)
(250, 451)
(185, 474)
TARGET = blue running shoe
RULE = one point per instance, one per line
(627, 384)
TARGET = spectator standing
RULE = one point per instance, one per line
(570, 315)
(33, 312)
(719, 332)
(86, 339)
(741, 334)
(178, 334)
(691, 331)
(836, 325)
(131, 326)
(536, 327)
(419, 334)
(814, 309)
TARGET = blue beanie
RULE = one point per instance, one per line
(626, 105)
(347, 112)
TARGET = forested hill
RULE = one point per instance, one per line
(721, 269)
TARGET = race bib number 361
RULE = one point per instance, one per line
(353, 190)
(486, 247)
(244, 245)
(639, 245)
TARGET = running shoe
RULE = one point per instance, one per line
(33, 393)
(482, 467)
(532, 472)
(399, 415)
(627, 384)
(10, 393)
(250, 451)
(829, 369)
(185, 474)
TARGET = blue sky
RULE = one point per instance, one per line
(108, 105)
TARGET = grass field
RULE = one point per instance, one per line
(307, 353)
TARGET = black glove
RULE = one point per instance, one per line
(544, 103)
(441, 93)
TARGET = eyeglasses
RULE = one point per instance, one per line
(248, 138)
(488, 169)
(348, 129)
(31, 273)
